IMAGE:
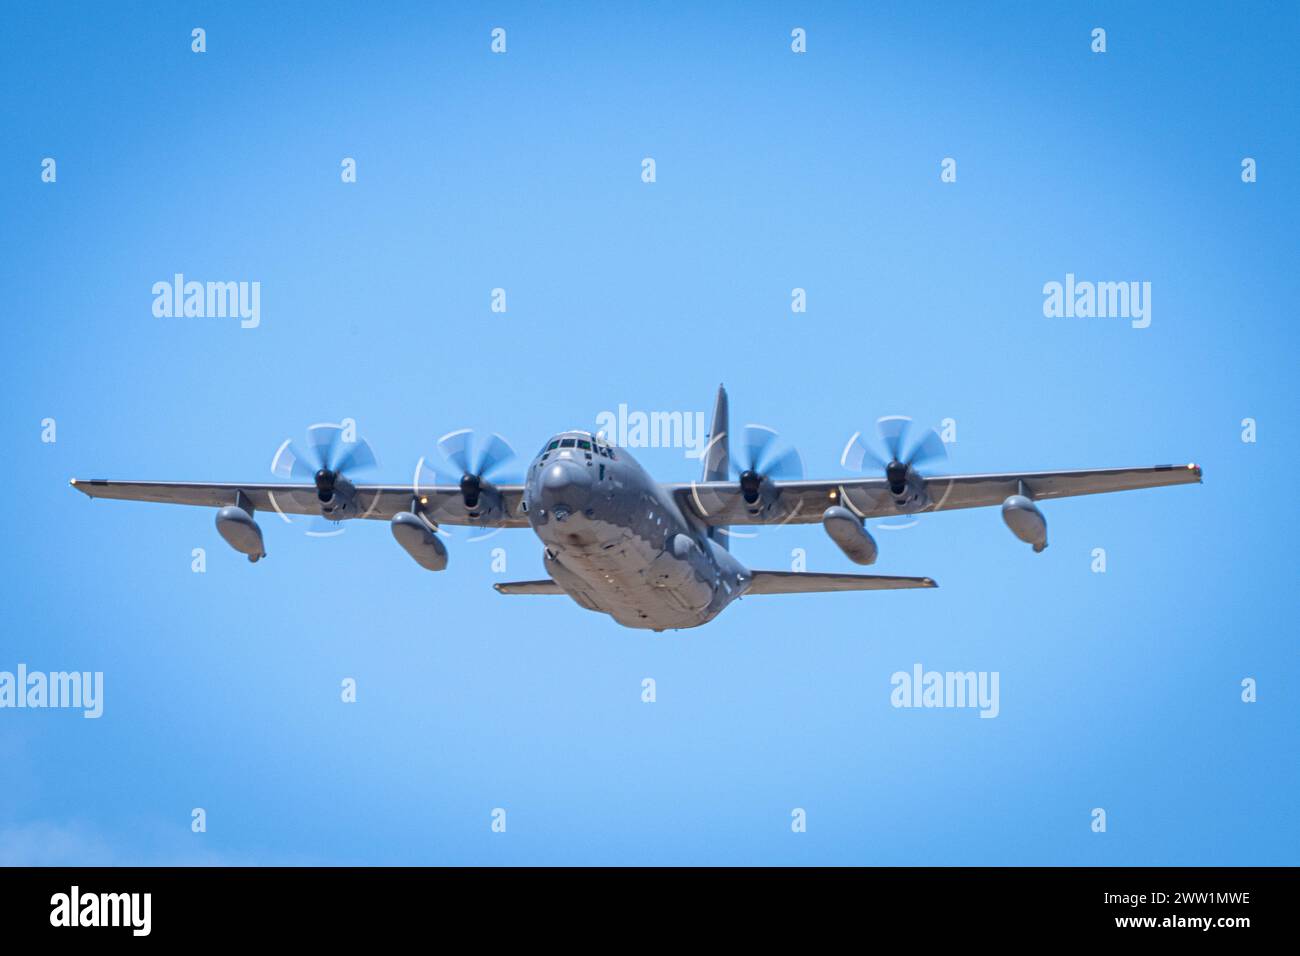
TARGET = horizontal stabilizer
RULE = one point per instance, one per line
(809, 582)
(529, 587)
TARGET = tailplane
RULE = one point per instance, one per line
(810, 582)
(528, 587)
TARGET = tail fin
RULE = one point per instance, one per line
(717, 455)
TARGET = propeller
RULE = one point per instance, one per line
(330, 456)
(761, 454)
(470, 461)
(894, 432)
(756, 453)
(326, 460)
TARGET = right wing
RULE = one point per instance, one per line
(441, 503)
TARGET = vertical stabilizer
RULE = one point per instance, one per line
(717, 456)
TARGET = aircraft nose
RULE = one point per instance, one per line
(565, 487)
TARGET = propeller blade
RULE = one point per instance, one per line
(787, 467)
(754, 445)
(321, 528)
(856, 452)
(931, 448)
(357, 456)
(893, 429)
(455, 447)
(291, 462)
(426, 475)
(323, 438)
(494, 454)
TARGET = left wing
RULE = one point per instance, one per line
(443, 504)
(720, 503)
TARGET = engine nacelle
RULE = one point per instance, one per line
(241, 532)
(845, 529)
(337, 496)
(907, 486)
(1025, 521)
(419, 541)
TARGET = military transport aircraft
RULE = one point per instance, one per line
(650, 555)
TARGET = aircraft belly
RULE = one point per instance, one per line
(638, 584)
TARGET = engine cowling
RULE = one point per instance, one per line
(419, 541)
(241, 532)
(336, 494)
(1025, 521)
(846, 530)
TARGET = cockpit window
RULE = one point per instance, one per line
(552, 446)
(567, 443)
(584, 445)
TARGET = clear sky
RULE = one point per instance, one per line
(775, 170)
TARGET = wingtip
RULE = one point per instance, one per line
(1196, 469)
(85, 485)
(930, 582)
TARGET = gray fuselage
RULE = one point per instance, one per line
(617, 543)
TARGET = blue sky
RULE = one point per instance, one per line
(774, 171)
